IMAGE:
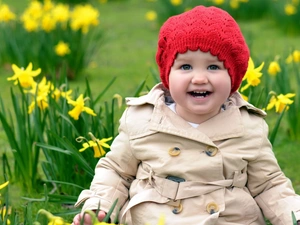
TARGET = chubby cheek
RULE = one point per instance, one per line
(222, 84)
(225, 86)
(174, 81)
(172, 85)
(177, 88)
(228, 87)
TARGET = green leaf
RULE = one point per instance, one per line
(139, 89)
(106, 218)
(66, 183)
(54, 148)
(294, 219)
(275, 129)
(104, 90)
(76, 155)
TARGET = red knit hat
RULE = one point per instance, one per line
(208, 29)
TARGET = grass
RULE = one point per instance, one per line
(128, 53)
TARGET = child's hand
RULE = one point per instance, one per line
(87, 218)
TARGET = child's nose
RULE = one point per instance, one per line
(199, 78)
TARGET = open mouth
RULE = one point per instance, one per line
(199, 94)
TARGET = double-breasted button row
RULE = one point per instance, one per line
(212, 208)
(211, 151)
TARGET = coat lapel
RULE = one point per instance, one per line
(227, 124)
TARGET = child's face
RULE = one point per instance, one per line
(199, 84)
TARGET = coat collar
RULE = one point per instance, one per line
(227, 124)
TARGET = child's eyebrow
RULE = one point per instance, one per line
(182, 58)
(178, 61)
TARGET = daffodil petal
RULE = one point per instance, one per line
(89, 111)
(4, 185)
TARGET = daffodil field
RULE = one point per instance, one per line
(46, 33)
(55, 119)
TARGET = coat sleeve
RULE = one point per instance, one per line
(113, 175)
(271, 189)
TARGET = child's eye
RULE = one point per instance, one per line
(213, 67)
(186, 67)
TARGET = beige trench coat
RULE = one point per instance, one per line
(222, 172)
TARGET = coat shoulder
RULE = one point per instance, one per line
(253, 118)
(139, 111)
(237, 100)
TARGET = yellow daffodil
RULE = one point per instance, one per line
(61, 13)
(42, 103)
(218, 2)
(119, 99)
(56, 93)
(290, 9)
(34, 10)
(52, 220)
(30, 24)
(79, 108)
(151, 15)
(48, 5)
(66, 94)
(48, 23)
(25, 77)
(83, 16)
(252, 75)
(4, 185)
(294, 57)
(40, 91)
(41, 88)
(234, 4)
(274, 68)
(5, 13)
(4, 212)
(280, 102)
(62, 48)
(97, 145)
(176, 2)
(57, 221)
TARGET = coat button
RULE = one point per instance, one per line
(212, 208)
(178, 209)
(211, 151)
(175, 151)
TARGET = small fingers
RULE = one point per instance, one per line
(82, 216)
(101, 215)
(76, 220)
